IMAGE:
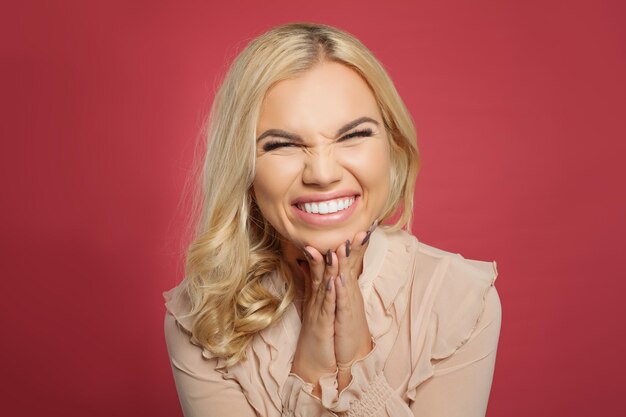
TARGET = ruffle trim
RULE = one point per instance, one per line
(459, 282)
(393, 252)
(364, 374)
(387, 262)
(466, 288)
(298, 395)
(463, 285)
(178, 305)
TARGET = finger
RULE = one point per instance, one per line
(331, 269)
(316, 271)
(369, 232)
(316, 263)
(328, 307)
(347, 260)
(361, 242)
(306, 274)
(342, 299)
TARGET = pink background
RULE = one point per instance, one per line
(520, 109)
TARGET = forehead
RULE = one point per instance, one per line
(319, 100)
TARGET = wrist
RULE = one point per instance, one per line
(366, 349)
(344, 377)
(304, 374)
(311, 376)
(344, 370)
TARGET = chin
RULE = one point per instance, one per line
(329, 239)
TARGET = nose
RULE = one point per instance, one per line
(321, 168)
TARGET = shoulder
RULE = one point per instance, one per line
(428, 263)
(177, 329)
(447, 294)
(178, 325)
(458, 294)
(178, 307)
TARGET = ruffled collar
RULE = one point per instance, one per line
(385, 267)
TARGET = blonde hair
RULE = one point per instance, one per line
(233, 246)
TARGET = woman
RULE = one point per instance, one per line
(303, 296)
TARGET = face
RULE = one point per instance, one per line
(322, 157)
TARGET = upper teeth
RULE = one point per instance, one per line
(325, 207)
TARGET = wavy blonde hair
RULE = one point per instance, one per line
(233, 247)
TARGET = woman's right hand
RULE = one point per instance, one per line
(315, 352)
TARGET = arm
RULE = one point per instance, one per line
(201, 389)
(359, 387)
(461, 383)
(368, 393)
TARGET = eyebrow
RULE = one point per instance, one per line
(295, 138)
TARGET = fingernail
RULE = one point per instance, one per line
(343, 280)
(307, 254)
(366, 238)
(347, 248)
(329, 258)
(329, 284)
(369, 232)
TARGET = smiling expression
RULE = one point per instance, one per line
(322, 164)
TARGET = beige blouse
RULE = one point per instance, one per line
(435, 321)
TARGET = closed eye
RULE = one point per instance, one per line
(357, 133)
(270, 146)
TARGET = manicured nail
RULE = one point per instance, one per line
(369, 232)
(329, 258)
(307, 254)
(329, 284)
(347, 248)
(343, 280)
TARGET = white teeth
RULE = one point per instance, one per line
(326, 207)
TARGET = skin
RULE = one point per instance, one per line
(314, 106)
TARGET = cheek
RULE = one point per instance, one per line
(370, 164)
(265, 185)
(272, 180)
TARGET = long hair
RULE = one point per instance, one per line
(233, 247)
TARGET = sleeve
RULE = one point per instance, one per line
(368, 393)
(299, 400)
(466, 334)
(201, 389)
(466, 375)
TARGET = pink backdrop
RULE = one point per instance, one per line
(519, 107)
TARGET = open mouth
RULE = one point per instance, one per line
(328, 206)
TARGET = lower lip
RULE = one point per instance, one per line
(330, 219)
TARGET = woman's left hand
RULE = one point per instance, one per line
(353, 339)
